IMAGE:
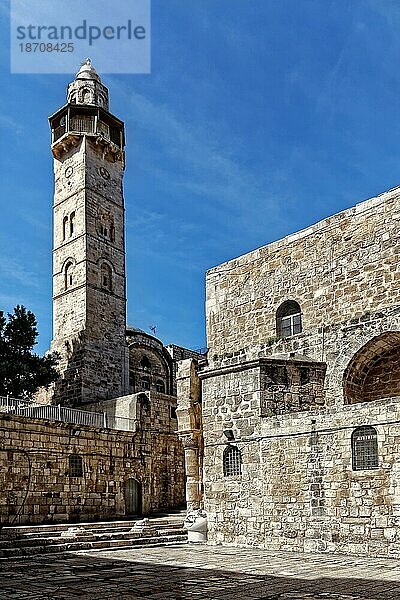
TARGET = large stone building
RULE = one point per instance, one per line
(296, 416)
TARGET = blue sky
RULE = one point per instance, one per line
(259, 118)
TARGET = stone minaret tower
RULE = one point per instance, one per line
(89, 300)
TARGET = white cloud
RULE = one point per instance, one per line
(203, 165)
(10, 268)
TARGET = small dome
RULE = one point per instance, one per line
(87, 71)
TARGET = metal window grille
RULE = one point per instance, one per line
(82, 124)
(232, 461)
(364, 448)
(160, 387)
(75, 465)
(145, 382)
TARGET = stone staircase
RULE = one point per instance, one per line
(26, 540)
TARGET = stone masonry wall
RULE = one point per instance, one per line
(89, 313)
(297, 489)
(34, 464)
(293, 403)
(339, 269)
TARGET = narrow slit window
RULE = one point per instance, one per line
(71, 224)
(106, 277)
(68, 275)
(65, 226)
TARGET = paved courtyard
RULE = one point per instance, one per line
(197, 573)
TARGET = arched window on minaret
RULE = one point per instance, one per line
(71, 223)
(68, 275)
(86, 96)
(106, 276)
(65, 227)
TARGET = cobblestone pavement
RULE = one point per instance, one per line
(196, 573)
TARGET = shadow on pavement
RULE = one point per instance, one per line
(66, 576)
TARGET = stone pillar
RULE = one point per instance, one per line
(190, 430)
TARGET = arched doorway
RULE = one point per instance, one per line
(133, 497)
(374, 371)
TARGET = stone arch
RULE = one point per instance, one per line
(149, 367)
(374, 371)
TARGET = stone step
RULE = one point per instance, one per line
(17, 530)
(32, 540)
(75, 545)
(13, 535)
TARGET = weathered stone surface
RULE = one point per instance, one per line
(35, 481)
(89, 295)
(292, 404)
(190, 430)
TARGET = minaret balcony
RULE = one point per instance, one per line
(88, 121)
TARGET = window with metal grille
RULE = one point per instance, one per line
(232, 461)
(75, 465)
(160, 387)
(288, 319)
(145, 383)
(364, 446)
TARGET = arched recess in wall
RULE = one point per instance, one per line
(86, 96)
(68, 270)
(106, 274)
(374, 371)
(159, 368)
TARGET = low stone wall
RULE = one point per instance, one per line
(297, 489)
(37, 485)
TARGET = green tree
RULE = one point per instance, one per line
(22, 372)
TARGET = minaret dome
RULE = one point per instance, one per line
(87, 88)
